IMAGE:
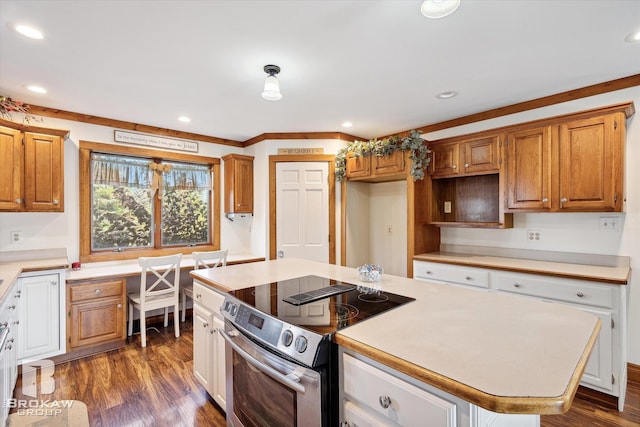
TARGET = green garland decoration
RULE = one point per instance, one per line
(384, 147)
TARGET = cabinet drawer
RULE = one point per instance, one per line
(406, 404)
(206, 296)
(446, 273)
(573, 291)
(96, 290)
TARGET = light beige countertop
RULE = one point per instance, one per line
(14, 263)
(503, 353)
(126, 268)
(599, 268)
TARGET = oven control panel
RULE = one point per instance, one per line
(300, 344)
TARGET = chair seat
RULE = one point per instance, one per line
(153, 302)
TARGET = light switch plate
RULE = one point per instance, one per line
(447, 207)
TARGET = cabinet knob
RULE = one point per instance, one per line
(580, 294)
(516, 285)
(55, 201)
(17, 322)
(454, 167)
(205, 325)
(53, 283)
(119, 306)
(8, 346)
(198, 296)
(466, 165)
(12, 307)
(385, 401)
(545, 200)
(429, 272)
(469, 278)
(18, 201)
(98, 291)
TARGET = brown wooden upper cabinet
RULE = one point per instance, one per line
(574, 163)
(455, 157)
(238, 183)
(32, 176)
(377, 168)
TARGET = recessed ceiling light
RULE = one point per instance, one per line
(30, 32)
(36, 89)
(439, 8)
(633, 37)
(446, 95)
(184, 119)
(347, 124)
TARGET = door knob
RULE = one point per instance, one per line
(280, 254)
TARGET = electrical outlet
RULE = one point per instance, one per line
(447, 207)
(609, 223)
(534, 236)
(16, 236)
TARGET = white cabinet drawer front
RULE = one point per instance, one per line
(573, 291)
(359, 417)
(405, 403)
(447, 273)
(203, 294)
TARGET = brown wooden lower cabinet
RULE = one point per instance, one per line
(96, 313)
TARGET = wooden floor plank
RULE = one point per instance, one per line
(155, 386)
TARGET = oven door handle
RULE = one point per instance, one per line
(261, 366)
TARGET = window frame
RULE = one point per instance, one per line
(84, 182)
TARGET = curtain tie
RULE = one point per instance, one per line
(158, 169)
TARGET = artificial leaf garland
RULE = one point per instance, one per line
(383, 147)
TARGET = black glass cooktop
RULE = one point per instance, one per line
(319, 304)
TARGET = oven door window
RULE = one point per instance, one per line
(259, 400)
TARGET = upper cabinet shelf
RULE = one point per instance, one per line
(569, 163)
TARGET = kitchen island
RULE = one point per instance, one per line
(502, 353)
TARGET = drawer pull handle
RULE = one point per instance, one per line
(198, 296)
(98, 291)
(516, 285)
(580, 294)
(385, 401)
(205, 325)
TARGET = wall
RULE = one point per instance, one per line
(377, 225)
(574, 232)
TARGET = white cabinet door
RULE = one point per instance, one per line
(39, 315)
(219, 391)
(202, 348)
(599, 369)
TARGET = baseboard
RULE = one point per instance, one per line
(633, 372)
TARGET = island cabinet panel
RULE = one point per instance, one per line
(571, 164)
(375, 395)
(96, 313)
(606, 369)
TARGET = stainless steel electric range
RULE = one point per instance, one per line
(281, 362)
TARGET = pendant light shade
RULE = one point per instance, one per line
(271, 90)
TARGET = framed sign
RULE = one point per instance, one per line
(155, 141)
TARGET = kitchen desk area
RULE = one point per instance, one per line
(469, 358)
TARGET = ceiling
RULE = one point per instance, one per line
(378, 64)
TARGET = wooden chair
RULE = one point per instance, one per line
(158, 292)
(210, 259)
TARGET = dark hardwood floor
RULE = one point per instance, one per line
(155, 386)
(135, 386)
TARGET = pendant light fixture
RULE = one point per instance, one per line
(271, 90)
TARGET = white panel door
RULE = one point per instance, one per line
(302, 210)
(39, 316)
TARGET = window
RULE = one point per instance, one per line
(136, 203)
